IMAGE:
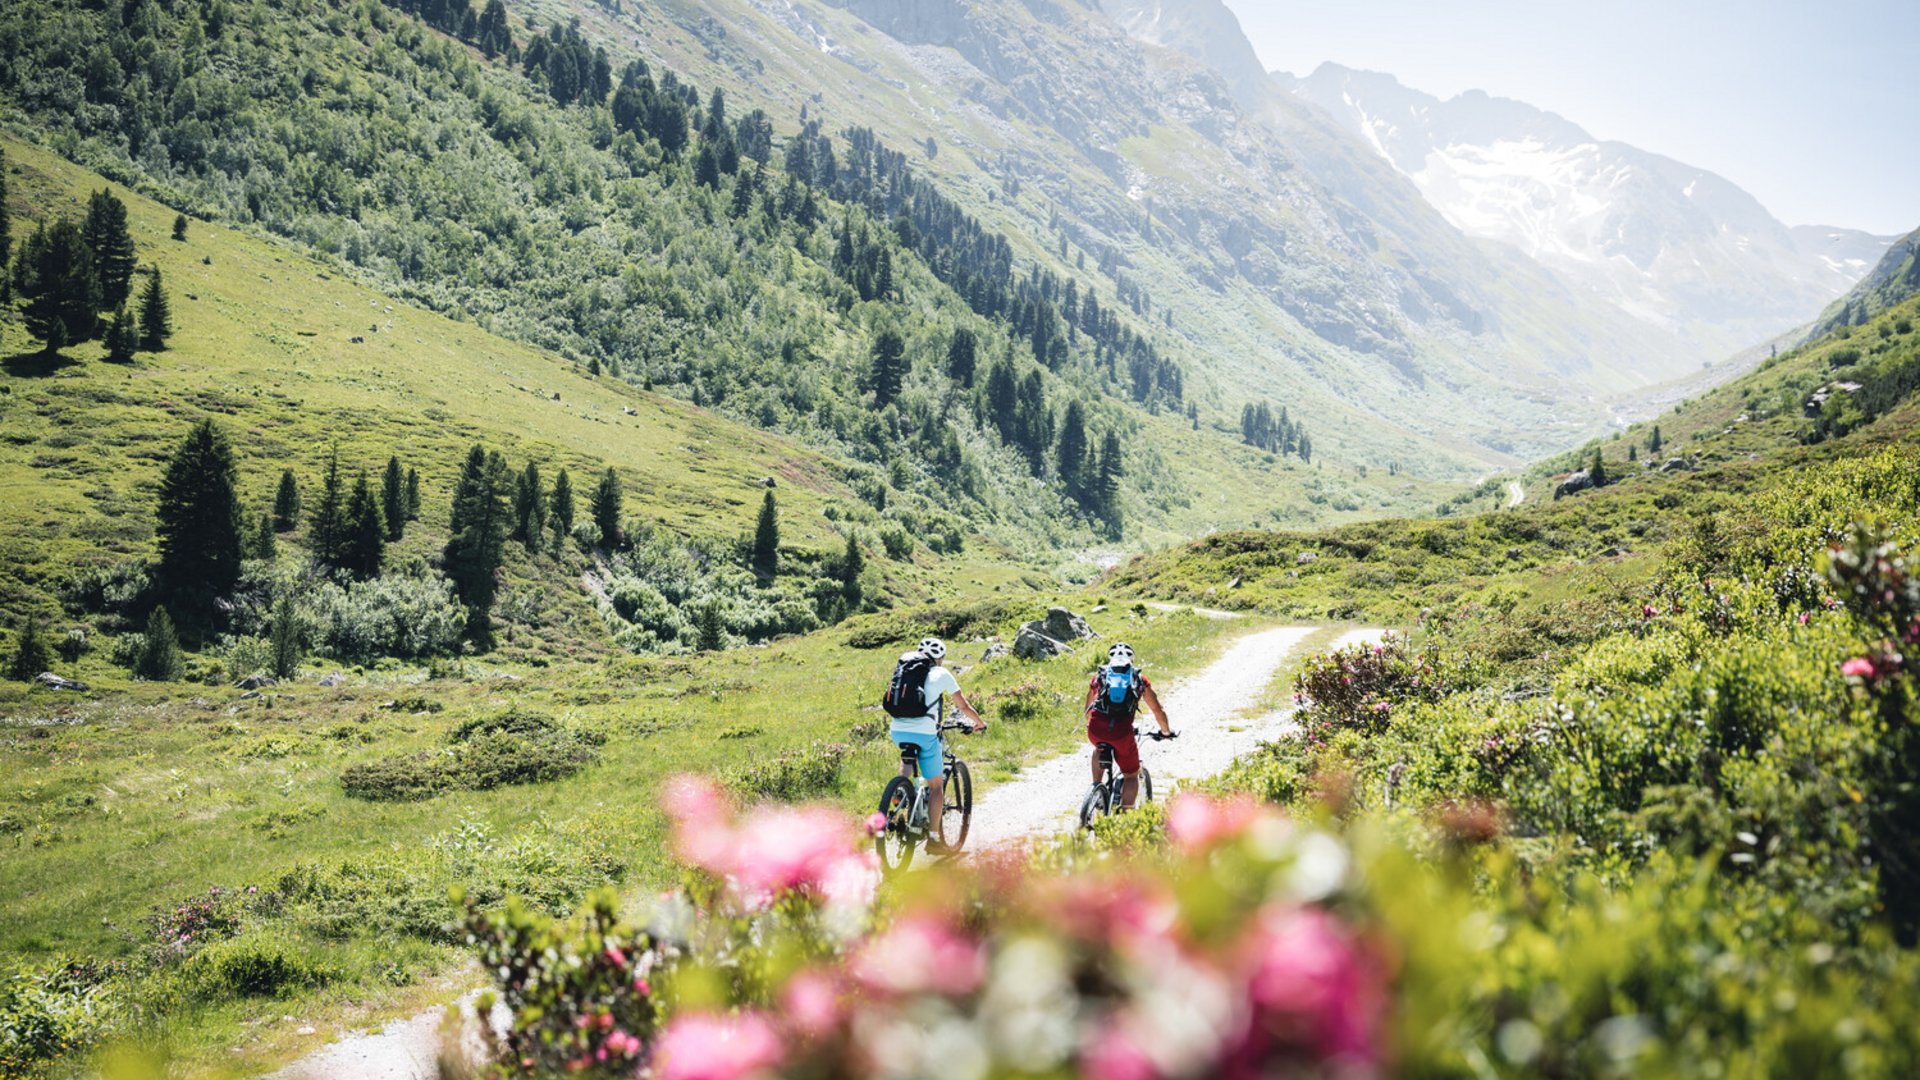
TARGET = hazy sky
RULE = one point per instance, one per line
(1812, 107)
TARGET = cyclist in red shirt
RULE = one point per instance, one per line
(1113, 697)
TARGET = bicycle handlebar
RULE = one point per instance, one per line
(1157, 736)
(956, 725)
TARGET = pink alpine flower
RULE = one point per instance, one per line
(919, 954)
(1311, 982)
(702, 1046)
(1196, 822)
(1112, 1054)
(811, 1004)
(876, 823)
(1858, 667)
(780, 848)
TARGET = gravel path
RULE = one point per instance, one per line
(406, 1049)
(1206, 709)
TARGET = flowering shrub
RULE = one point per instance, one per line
(1360, 687)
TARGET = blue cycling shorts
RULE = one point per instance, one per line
(931, 761)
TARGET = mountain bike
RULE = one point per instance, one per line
(1106, 795)
(904, 805)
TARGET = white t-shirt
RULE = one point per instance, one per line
(940, 681)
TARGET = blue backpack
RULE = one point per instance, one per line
(1119, 694)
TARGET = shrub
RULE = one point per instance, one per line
(514, 746)
(159, 658)
(1359, 688)
(400, 616)
(801, 773)
(1029, 700)
(260, 963)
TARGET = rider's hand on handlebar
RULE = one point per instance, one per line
(979, 726)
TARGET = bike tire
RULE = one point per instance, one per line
(895, 842)
(959, 801)
(1095, 804)
(1146, 787)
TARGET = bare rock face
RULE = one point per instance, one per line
(1049, 637)
(1579, 481)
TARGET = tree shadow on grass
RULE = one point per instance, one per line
(36, 365)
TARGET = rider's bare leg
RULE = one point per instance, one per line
(1129, 789)
(936, 802)
(1097, 770)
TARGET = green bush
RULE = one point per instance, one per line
(800, 773)
(513, 746)
(260, 963)
(397, 615)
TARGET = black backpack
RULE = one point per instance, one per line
(1119, 696)
(906, 696)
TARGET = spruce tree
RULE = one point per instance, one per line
(766, 539)
(30, 654)
(605, 507)
(1598, 473)
(1070, 453)
(1003, 400)
(199, 526)
(180, 227)
(1653, 440)
(263, 544)
(851, 565)
(327, 533)
(561, 510)
(962, 353)
(479, 525)
(286, 640)
(6, 222)
(364, 541)
(54, 279)
(105, 230)
(286, 502)
(1106, 481)
(889, 367)
(393, 499)
(529, 507)
(156, 319)
(123, 337)
(711, 630)
(706, 168)
(159, 657)
(413, 494)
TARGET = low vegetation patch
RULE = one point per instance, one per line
(509, 747)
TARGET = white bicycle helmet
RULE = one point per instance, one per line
(932, 648)
(1121, 655)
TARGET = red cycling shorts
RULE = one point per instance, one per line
(1126, 749)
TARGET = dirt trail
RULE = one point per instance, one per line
(1515, 494)
(1205, 708)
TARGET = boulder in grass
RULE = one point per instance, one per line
(54, 682)
(255, 682)
(995, 651)
(333, 679)
(1578, 482)
(1032, 644)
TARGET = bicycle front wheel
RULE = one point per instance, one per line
(959, 802)
(895, 842)
(1094, 805)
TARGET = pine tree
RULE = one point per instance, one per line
(54, 279)
(529, 507)
(1107, 481)
(1633, 451)
(327, 534)
(286, 502)
(766, 539)
(286, 640)
(180, 227)
(1653, 440)
(6, 222)
(706, 168)
(889, 352)
(605, 507)
(105, 230)
(156, 319)
(123, 337)
(263, 544)
(393, 499)
(961, 357)
(364, 541)
(199, 526)
(851, 565)
(413, 494)
(711, 630)
(159, 657)
(1003, 400)
(1034, 422)
(479, 525)
(1598, 473)
(1070, 453)
(30, 653)
(561, 510)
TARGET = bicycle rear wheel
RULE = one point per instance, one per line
(1094, 805)
(959, 801)
(895, 842)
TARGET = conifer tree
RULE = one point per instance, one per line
(561, 510)
(54, 279)
(605, 507)
(180, 227)
(479, 525)
(962, 352)
(1653, 440)
(105, 230)
(6, 223)
(529, 507)
(1070, 453)
(156, 319)
(711, 630)
(159, 657)
(413, 494)
(363, 545)
(766, 539)
(1107, 481)
(1003, 400)
(327, 534)
(1034, 422)
(852, 563)
(30, 654)
(393, 499)
(199, 526)
(1598, 473)
(263, 544)
(889, 352)
(1633, 451)
(286, 640)
(286, 502)
(123, 337)
(706, 168)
